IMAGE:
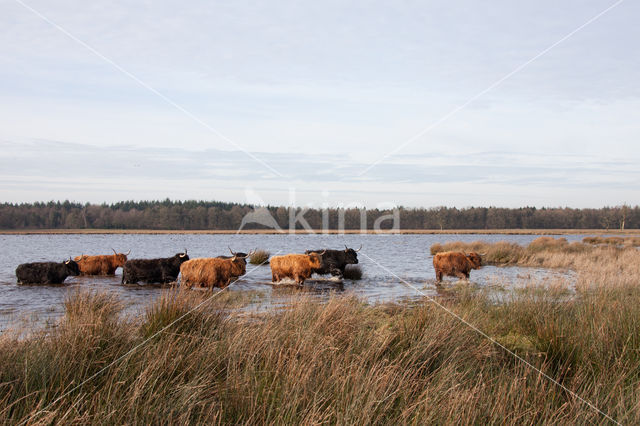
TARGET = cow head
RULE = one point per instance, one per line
(239, 260)
(182, 257)
(315, 259)
(120, 258)
(351, 255)
(475, 259)
(238, 255)
(72, 267)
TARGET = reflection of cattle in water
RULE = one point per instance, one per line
(46, 272)
(101, 264)
(298, 267)
(455, 264)
(334, 262)
(162, 270)
(213, 271)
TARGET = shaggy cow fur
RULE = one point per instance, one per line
(455, 264)
(46, 272)
(163, 270)
(212, 271)
(296, 266)
(101, 264)
(334, 262)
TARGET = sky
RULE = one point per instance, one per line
(335, 103)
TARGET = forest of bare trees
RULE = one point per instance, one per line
(193, 215)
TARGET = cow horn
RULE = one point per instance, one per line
(129, 252)
(346, 248)
(231, 250)
(320, 254)
(483, 254)
(114, 252)
(359, 248)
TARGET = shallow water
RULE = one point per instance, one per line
(395, 267)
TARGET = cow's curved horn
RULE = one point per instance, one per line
(320, 254)
(231, 250)
(185, 251)
(114, 252)
(359, 248)
(128, 253)
(346, 248)
(483, 254)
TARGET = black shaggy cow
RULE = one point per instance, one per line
(163, 270)
(46, 272)
(335, 261)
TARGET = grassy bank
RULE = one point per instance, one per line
(596, 266)
(342, 361)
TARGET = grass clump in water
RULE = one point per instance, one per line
(259, 257)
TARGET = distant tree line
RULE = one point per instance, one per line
(194, 215)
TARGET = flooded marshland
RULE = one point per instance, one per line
(395, 267)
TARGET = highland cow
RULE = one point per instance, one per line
(101, 264)
(163, 270)
(213, 271)
(455, 264)
(46, 272)
(334, 262)
(299, 267)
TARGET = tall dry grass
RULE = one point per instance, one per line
(342, 361)
(259, 257)
(628, 241)
(543, 251)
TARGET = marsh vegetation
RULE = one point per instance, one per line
(342, 360)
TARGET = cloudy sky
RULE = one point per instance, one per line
(421, 103)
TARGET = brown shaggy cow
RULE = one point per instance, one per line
(102, 264)
(212, 271)
(296, 266)
(455, 264)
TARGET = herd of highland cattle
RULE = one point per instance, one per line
(219, 272)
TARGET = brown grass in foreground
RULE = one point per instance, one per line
(342, 361)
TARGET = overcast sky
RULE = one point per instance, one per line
(293, 102)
